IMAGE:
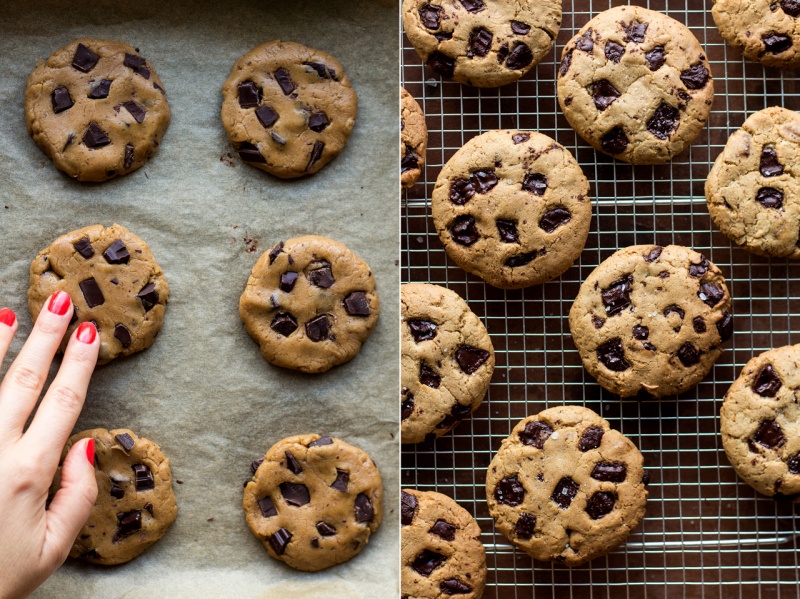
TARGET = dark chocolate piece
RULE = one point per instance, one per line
(585, 42)
(135, 110)
(61, 99)
(318, 121)
(321, 277)
(275, 252)
(521, 259)
(612, 355)
(325, 529)
(364, 511)
(429, 377)
(554, 218)
(615, 141)
(536, 183)
(473, 6)
(641, 333)
(279, 541)
(429, 15)
(143, 478)
(249, 94)
(84, 247)
(519, 57)
(442, 64)
(266, 116)
(321, 441)
(617, 296)
(525, 526)
(509, 491)
(725, 326)
(408, 508)
(422, 330)
(95, 137)
(123, 335)
(357, 304)
(267, 507)
(767, 383)
(654, 254)
(463, 230)
(117, 253)
(319, 328)
(249, 153)
(600, 504)
(84, 60)
(698, 324)
(288, 280)
(635, 32)
(461, 191)
(688, 354)
(591, 438)
(126, 441)
(292, 464)
(695, 77)
(480, 42)
(127, 161)
(564, 492)
(295, 494)
(284, 79)
(483, 180)
(711, 294)
(507, 229)
(427, 561)
(664, 121)
(148, 296)
(656, 58)
(535, 434)
(284, 324)
(138, 64)
(471, 358)
(769, 165)
(770, 434)
(342, 480)
(769, 197)
(519, 138)
(604, 94)
(520, 28)
(316, 154)
(117, 492)
(614, 51)
(614, 472)
(92, 293)
(101, 90)
(775, 43)
(444, 530)
(127, 524)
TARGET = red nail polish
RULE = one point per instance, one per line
(87, 333)
(7, 317)
(59, 303)
(90, 451)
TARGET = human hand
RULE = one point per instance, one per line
(34, 541)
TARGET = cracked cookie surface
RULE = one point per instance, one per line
(635, 84)
(413, 139)
(96, 108)
(565, 487)
(313, 501)
(753, 189)
(766, 31)
(652, 319)
(447, 361)
(483, 43)
(288, 109)
(513, 208)
(441, 549)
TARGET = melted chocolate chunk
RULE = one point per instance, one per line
(725, 326)
(536, 183)
(654, 254)
(117, 492)
(585, 42)
(604, 94)
(520, 28)
(443, 529)
(711, 294)
(288, 281)
(92, 293)
(443, 35)
(318, 121)
(598, 322)
(695, 77)
(565, 64)
(612, 355)
(407, 406)
(321, 441)
(279, 541)
(249, 153)
(456, 415)
(117, 253)
(129, 156)
(688, 354)
(615, 141)
(664, 121)
(554, 218)
(591, 438)
(519, 138)
(319, 328)
(461, 191)
(509, 491)
(284, 80)
(793, 463)
(61, 99)
(410, 160)
(316, 154)
(520, 57)
(295, 494)
(635, 32)
(325, 529)
(453, 586)
(769, 197)
(266, 116)
(673, 309)
(429, 15)
(521, 259)
(143, 478)
(471, 358)
(775, 43)
(614, 51)
(442, 64)
(770, 167)
(699, 270)
(535, 434)
(480, 42)
(138, 64)
(249, 94)
(84, 247)
(614, 472)
(427, 561)
(769, 434)
(473, 6)
(483, 181)
(275, 252)
(699, 325)
(135, 110)
(322, 71)
(95, 137)
(507, 229)
(791, 7)
(126, 441)
(617, 296)
(127, 524)
(123, 335)
(427, 376)
(357, 304)
(321, 277)
(463, 230)
(408, 508)
(422, 330)
(84, 60)
(342, 480)
(565, 492)
(525, 526)
(284, 324)
(255, 464)
(767, 383)
(600, 504)
(363, 509)
(656, 58)
(292, 464)
(641, 333)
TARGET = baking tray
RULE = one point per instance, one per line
(203, 391)
(706, 534)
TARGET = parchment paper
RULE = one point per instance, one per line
(202, 391)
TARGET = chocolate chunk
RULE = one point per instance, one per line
(363, 508)
(604, 94)
(408, 508)
(288, 280)
(321, 277)
(600, 504)
(101, 90)
(267, 507)
(791, 7)
(520, 57)
(318, 121)
(84, 247)
(61, 99)
(554, 218)
(565, 64)
(410, 160)
(444, 530)
(463, 230)
(767, 383)
(520, 28)
(654, 254)
(266, 116)
(649, 346)
(428, 376)
(117, 492)
(480, 42)
(769, 197)
(615, 141)
(319, 328)
(92, 293)
(138, 64)
(279, 541)
(357, 304)
(316, 154)
(507, 230)
(509, 491)
(249, 153)
(292, 464)
(284, 79)
(427, 561)
(521, 259)
(655, 58)
(535, 434)
(325, 529)
(483, 181)
(422, 330)
(635, 32)
(793, 463)
(614, 51)
(614, 472)
(129, 156)
(117, 253)
(775, 43)
(565, 492)
(255, 464)
(711, 294)
(442, 64)
(461, 191)
(617, 296)
(284, 324)
(673, 309)
(769, 434)
(443, 35)
(585, 42)
(126, 441)
(342, 480)
(456, 415)
(127, 524)
(591, 438)
(688, 354)
(429, 15)
(598, 322)
(519, 138)
(453, 586)
(295, 494)
(641, 333)
(473, 6)
(95, 137)
(699, 270)
(84, 60)
(725, 326)
(699, 324)
(249, 94)
(123, 335)
(770, 167)
(275, 252)
(612, 355)
(525, 526)
(536, 183)
(321, 441)
(322, 71)
(471, 358)
(695, 77)
(143, 478)
(663, 122)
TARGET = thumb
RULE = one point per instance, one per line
(73, 502)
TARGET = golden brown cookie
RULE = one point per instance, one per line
(413, 139)
(764, 30)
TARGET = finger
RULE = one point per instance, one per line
(62, 404)
(23, 383)
(8, 326)
(72, 504)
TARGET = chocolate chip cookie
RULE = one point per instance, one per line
(447, 361)
(651, 319)
(760, 422)
(482, 42)
(310, 303)
(135, 504)
(565, 487)
(96, 108)
(635, 84)
(288, 109)
(441, 549)
(753, 192)
(513, 208)
(314, 501)
(413, 139)
(764, 30)
(113, 280)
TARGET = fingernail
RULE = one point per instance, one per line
(90, 451)
(59, 303)
(87, 333)
(7, 317)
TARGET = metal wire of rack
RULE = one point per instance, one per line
(705, 534)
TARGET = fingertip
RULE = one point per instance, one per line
(8, 318)
(86, 333)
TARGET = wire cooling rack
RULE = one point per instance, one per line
(705, 534)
